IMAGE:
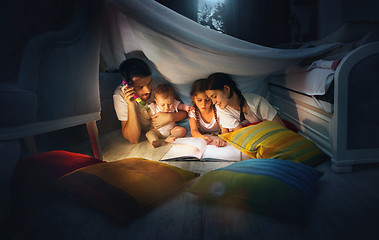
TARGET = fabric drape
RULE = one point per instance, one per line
(183, 50)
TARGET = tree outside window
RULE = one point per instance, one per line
(211, 13)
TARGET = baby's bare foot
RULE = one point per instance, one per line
(156, 143)
(170, 139)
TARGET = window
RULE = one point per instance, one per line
(211, 13)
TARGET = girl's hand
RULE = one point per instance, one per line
(220, 142)
(208, 139)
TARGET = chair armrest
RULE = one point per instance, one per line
(62, 67)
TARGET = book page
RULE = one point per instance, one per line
(227, 153)
(199, 143)
(187, 148)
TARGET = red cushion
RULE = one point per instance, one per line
(40, 171)
(290, 125)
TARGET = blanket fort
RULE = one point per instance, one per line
(183, 50)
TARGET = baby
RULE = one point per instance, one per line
(164, 102)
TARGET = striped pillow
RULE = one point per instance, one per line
(270, 140)
(123, 188)
(269, 186)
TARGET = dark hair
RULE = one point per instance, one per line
(165, 89)
(217, 81)
(197, 87)
(133, 67)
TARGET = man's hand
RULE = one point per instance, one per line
(128, 93)
(160, 119)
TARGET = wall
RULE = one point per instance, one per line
(333, 14)
(187, 8)
(269, 22)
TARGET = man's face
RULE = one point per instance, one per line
(142, 87)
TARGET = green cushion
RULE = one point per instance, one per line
(269, 186)
(270, 140)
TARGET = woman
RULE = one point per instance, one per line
(238, 110)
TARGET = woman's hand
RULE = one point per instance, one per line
(220, 142)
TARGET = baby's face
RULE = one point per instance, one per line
(164, 104)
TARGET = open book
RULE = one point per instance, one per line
(196, 149)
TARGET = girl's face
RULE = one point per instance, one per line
(202, 101)
(219, 97)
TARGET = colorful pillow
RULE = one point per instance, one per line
(123, 188)
(269, 186)
(270, 140)
(40, 171)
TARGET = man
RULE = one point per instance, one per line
(137, 75)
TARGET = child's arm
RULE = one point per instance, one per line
(195, 131)
(185, 107)
(219, 141)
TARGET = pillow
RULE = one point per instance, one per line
(269, 186)
(40, 171)
(270, 140)
(123, 188)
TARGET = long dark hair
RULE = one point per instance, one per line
(197, 87)
(217, 81)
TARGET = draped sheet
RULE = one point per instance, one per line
(183, 50)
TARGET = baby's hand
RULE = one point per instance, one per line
(220, 142)
(189, 108)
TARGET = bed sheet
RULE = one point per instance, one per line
(314, 82)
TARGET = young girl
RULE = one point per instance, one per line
(236, 109)
(203, 118)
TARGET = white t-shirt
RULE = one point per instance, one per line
(211, 127)
(165, 130)
(122, 109)
(259, 109)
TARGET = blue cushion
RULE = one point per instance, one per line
(270, 186)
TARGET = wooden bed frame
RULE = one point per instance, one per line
(347, 130)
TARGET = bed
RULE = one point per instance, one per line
(337, 109)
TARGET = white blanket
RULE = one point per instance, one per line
(184, 51)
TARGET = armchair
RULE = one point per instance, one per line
(50, 80)
(57, 83)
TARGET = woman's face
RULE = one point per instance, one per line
(219, 97)
(202, 101)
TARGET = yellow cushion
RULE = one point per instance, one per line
(122, 188)
(270, 140)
